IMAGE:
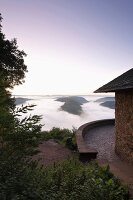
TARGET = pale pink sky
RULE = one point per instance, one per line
(73, 46)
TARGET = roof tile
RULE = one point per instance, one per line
(122, 82)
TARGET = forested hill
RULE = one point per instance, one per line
(21, 100)
(108, 102)
(72, 104)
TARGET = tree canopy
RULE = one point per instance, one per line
(12, 72)
(12, 67)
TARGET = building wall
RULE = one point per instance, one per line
(124, 125)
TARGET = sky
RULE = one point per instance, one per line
(73, 46)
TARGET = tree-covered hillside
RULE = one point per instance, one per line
(72, 104)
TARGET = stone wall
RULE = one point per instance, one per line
(87, 153)
(124, 125)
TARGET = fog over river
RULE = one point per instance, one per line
(53, 116)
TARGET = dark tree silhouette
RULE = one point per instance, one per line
(15, 132)
(12, 67)
(12, 72)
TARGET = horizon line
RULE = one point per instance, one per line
(94, 94)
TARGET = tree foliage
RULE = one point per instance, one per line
(17, 137)
(70, 180)
(63, 136)
(12, 67)
(12, 72)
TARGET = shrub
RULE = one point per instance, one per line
(70, 180)
(63, 136)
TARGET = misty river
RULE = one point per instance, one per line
(52, 116)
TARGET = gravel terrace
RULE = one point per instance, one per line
(102, 138)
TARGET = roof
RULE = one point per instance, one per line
(122, 82)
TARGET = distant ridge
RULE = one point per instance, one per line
(72, 104)
(108, 102)
(103, 99)
(20, 100)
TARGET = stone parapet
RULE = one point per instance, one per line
(87, 153)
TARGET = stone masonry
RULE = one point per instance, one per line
(124, 125)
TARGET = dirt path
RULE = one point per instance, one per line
(51, 152)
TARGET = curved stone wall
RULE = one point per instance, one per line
(85, 152)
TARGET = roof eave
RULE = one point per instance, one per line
(100, 90)
(103, 91)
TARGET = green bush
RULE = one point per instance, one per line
(63, 136)
(70, 180)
